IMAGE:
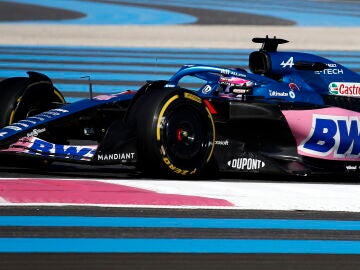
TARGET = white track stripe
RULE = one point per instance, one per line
(263, 196)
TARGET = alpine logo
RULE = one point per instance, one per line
(246, 164)
(344, 89)
(289, 63)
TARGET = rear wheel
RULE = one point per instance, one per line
(175, 132)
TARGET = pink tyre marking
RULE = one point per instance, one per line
(93, 192)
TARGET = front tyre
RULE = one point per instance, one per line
(175, 132)
(22, 97)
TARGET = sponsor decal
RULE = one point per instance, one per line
(162, 122)
(337, 136)
(344, 89)
(232, 72)
(289, 63)
(273, 93)
(192, 97)
(206, 89)
(246, 164)
(36, 146)
(105, 97)
(116, 156)
(293, 86)
(33, 120)
(351, 167)
(176, 169)
(108, 97)
(330, 71)
(36, 132)
(226, 142)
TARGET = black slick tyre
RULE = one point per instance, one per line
(21, 97)
(175, 133)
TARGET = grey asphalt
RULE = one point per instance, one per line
(166, 261)
(214, 30)
(33, 12)
(89, 261)
(166, 36)
(15, 12)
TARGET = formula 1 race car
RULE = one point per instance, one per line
(292, 113)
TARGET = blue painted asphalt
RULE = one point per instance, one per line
(113, 68)
(221, 246)
(304, 13)
(105, 14)
(212, 223)
(174, 245)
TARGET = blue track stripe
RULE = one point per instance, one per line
(81, 88)
(152, 60)
(107, 13)
(92, 245)
(106, 68)
(151, 50)
(74, 67)
(105, 55)
(110, 49)
(303, 12)
(178, 222)
(71, 99)
(94, 75)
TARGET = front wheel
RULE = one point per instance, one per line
(175, 132)
(22, 97)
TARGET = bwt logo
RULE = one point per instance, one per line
(336, 135)
(45, 148)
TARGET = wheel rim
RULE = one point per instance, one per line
(185, 136)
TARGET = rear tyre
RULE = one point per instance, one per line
(175, 133)
(21, 97)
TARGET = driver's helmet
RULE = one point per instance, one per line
(234, 85)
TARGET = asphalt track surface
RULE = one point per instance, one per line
(114, 69)
(173, 260)
(32, 235)
(218, 252)
(25, 12)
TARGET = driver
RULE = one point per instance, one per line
(234, 87)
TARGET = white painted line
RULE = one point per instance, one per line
(185, 36)
(263, 196)
(244, 195)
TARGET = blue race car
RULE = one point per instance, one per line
(291, 113)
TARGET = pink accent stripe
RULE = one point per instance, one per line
(93, 192)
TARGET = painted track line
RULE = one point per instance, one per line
(181, 194)
(184, 246)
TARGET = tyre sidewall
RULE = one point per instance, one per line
(152, 107)
(18, 94)
(11, 91)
